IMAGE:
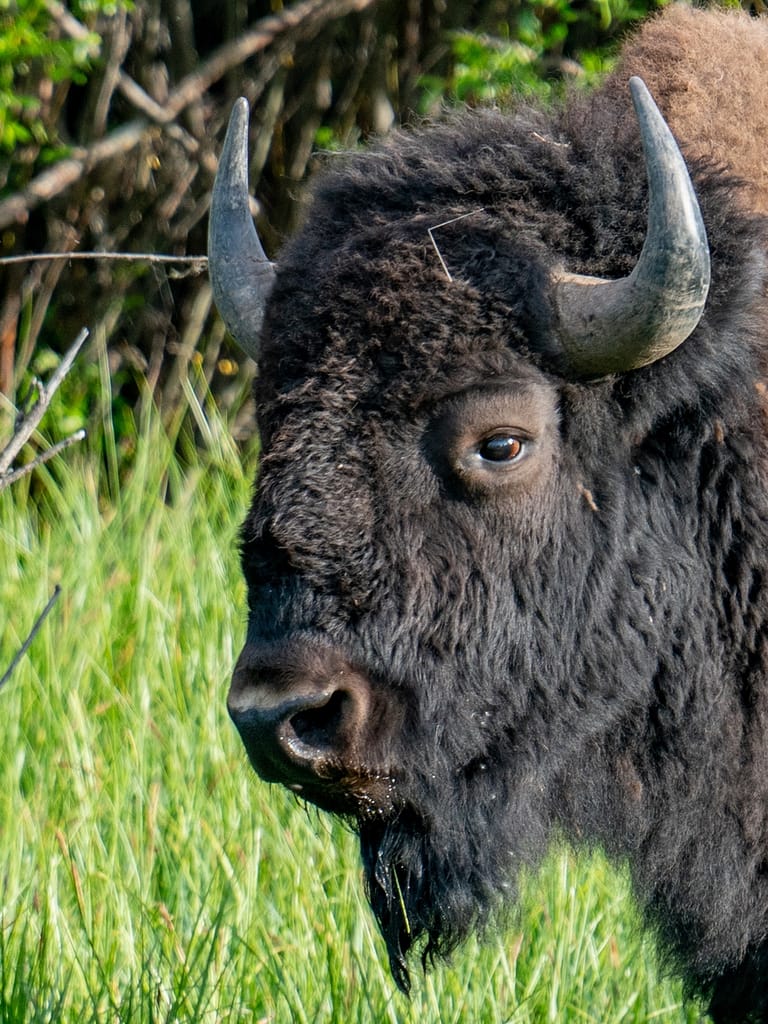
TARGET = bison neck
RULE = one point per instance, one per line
(678, 788)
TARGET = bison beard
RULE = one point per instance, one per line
(442, 883)
(415, 890)
(507, 560)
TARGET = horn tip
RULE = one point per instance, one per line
(642, 99)
(238, 120)
(240, 109)
(637, 85)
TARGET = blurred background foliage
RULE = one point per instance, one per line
(112, 114)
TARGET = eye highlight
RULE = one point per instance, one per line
(502, 447)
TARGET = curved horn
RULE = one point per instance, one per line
(241, 275)
(613, 326)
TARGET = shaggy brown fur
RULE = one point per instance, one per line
(708, 72)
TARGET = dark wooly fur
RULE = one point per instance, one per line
(582, 649)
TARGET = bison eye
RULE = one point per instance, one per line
(501, 447)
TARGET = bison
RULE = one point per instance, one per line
(507, 559)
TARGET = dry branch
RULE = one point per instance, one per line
(197, 264)
(31, 420)
(56, 179)
(40, 460)
(66, 21)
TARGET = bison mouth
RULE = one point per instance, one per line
(362, 796)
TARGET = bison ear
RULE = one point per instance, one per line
(241, 275)
(614, 326)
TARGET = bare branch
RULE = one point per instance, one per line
(46, 456)
(141, 99)
(197, 264)
(30, 422)
(119, 37)
(67, 22)
(48, 275)
(32, 634)
(66, 172)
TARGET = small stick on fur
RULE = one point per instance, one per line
(444, 224)
(588, 497)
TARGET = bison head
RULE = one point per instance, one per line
(447, 616)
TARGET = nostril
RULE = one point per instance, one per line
(302, 711)
(320, 727)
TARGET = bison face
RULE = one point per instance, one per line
(444, 620)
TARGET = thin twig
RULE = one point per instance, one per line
(30, 422)
(197, 263)
(41, 459)
(444, 224)
(65, 238)
(33, 633)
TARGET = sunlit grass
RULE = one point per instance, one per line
(147, 874)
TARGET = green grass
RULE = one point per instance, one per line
(147, 875)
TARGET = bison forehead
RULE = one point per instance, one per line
(392, 338)
(435, 247)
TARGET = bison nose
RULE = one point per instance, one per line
(301, 711)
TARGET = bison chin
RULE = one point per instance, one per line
(401, 882)
(434, 878)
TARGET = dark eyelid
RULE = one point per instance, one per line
(507, 431)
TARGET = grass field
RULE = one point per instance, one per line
(147, 875)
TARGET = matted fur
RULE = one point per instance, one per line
(586, 653)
